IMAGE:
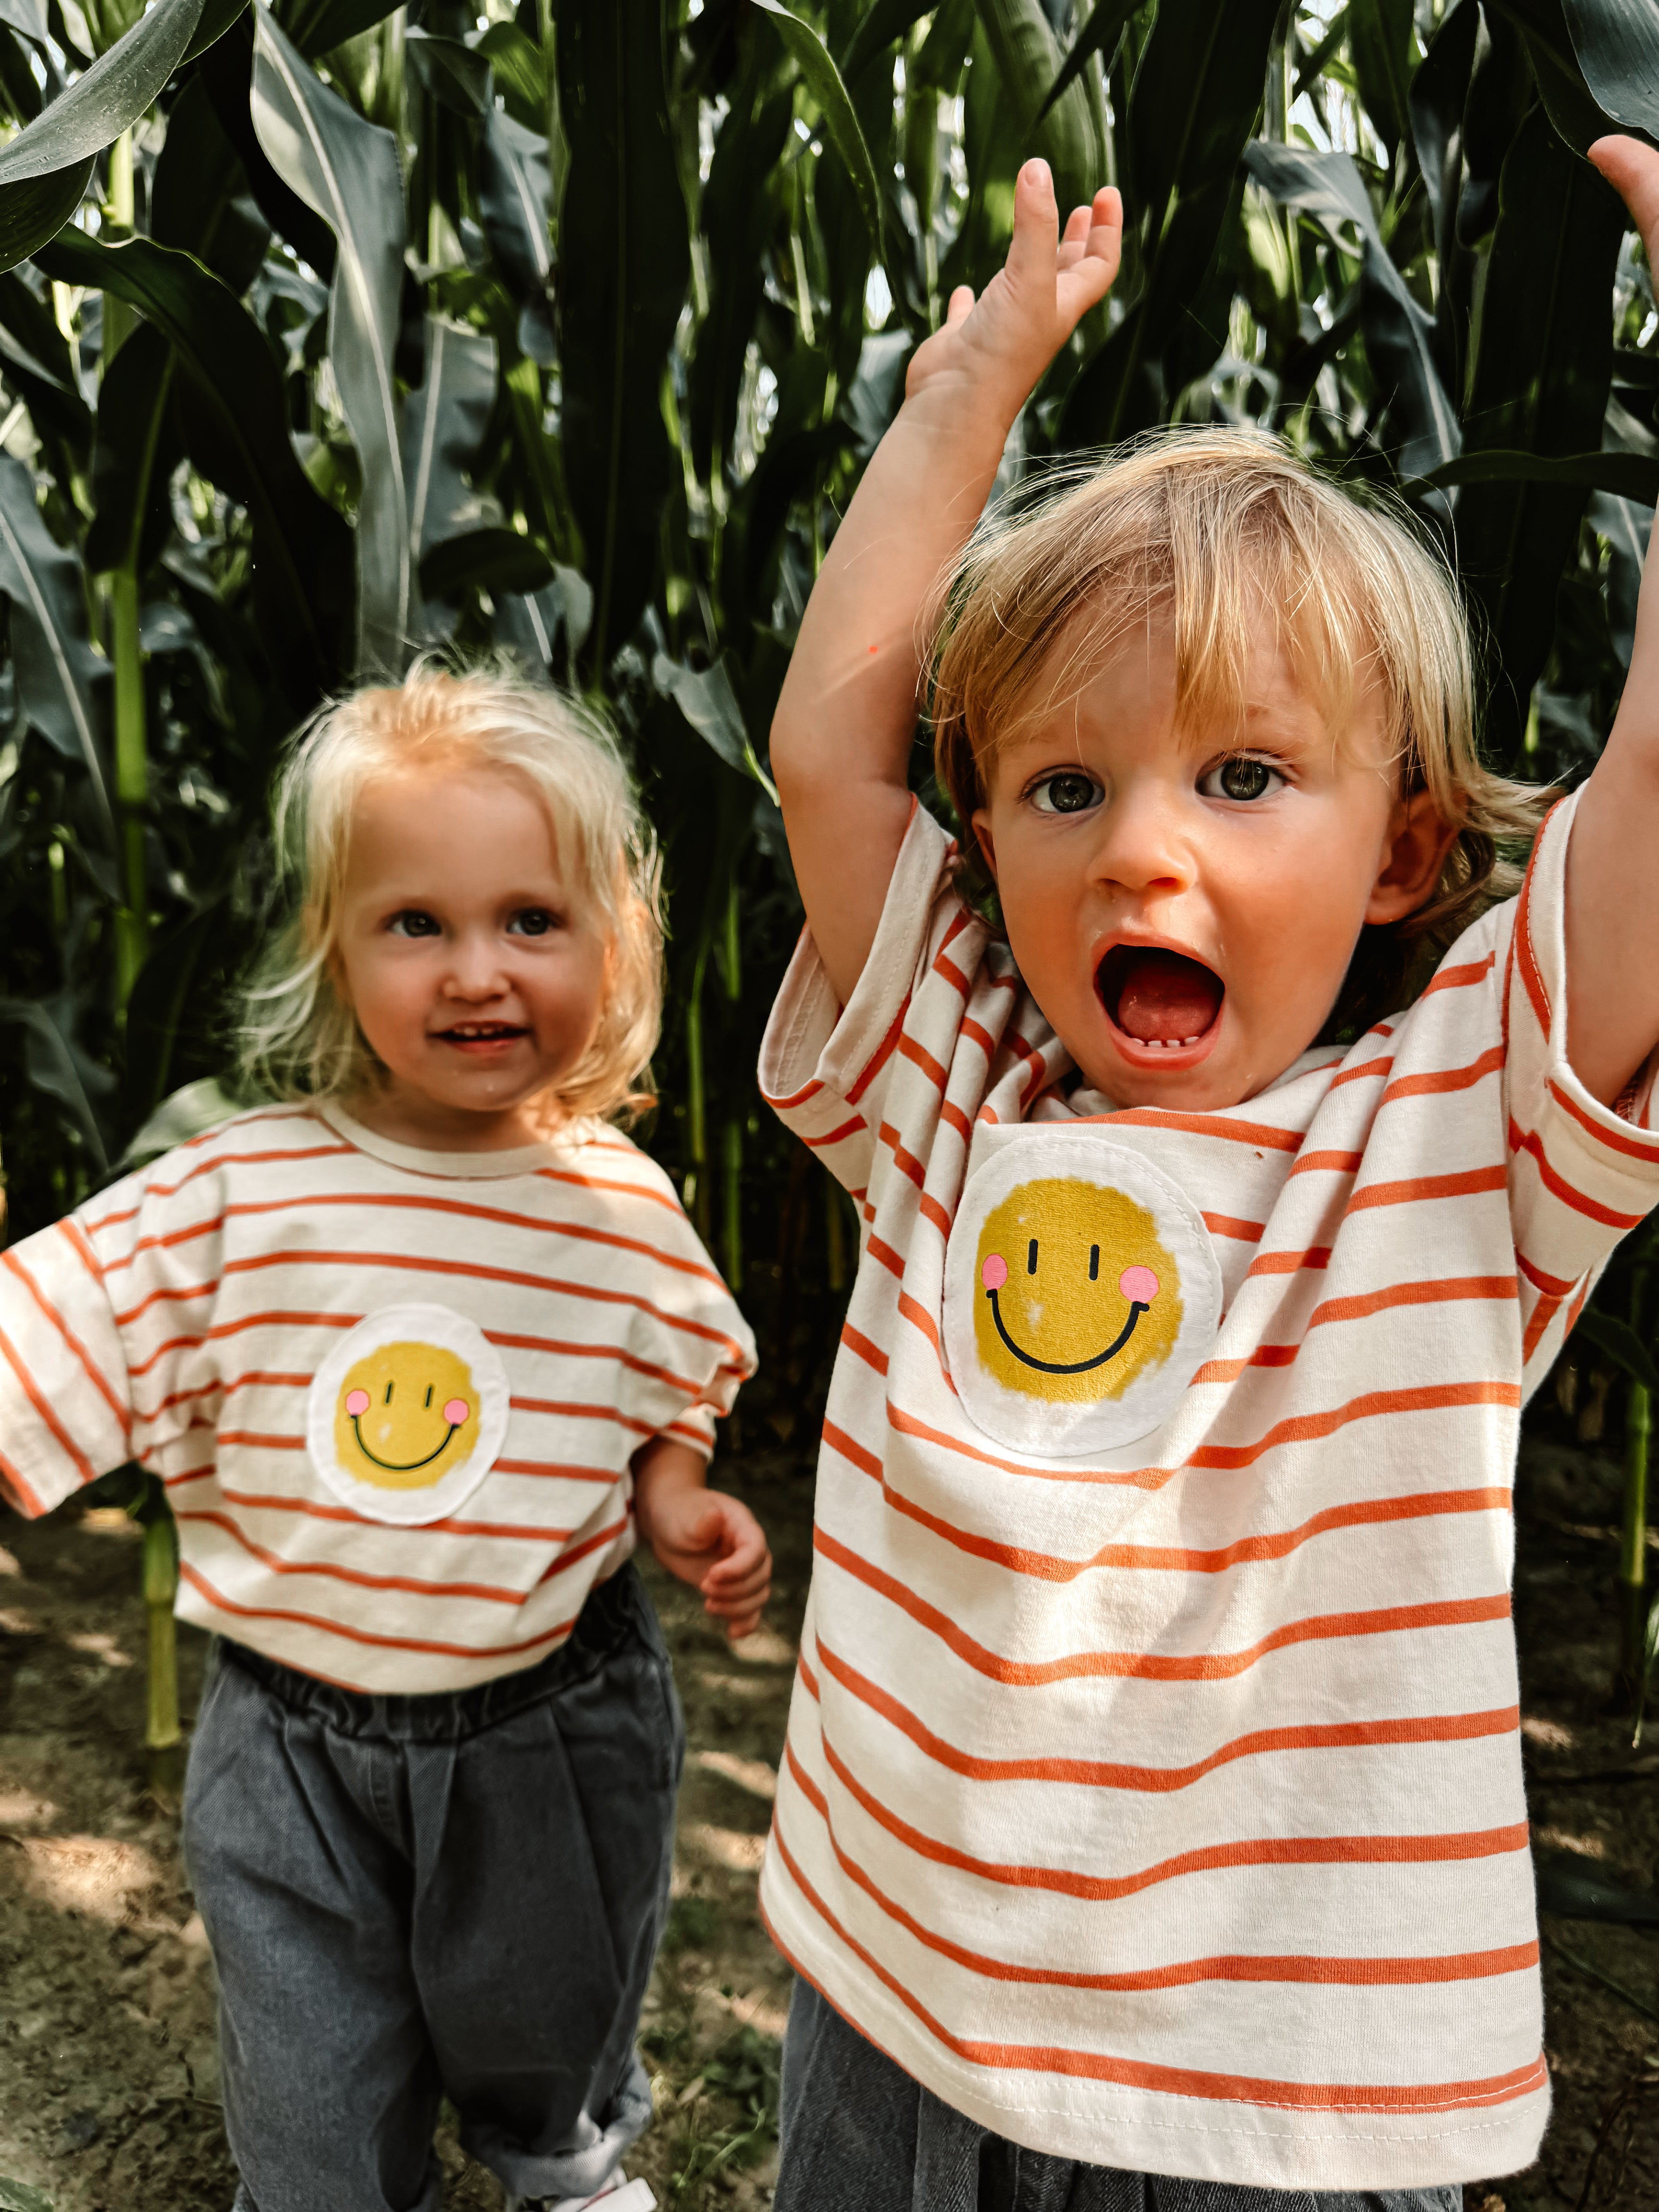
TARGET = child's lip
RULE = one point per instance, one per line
(478, 1039)
(1140, 1052)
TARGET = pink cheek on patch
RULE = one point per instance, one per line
(1138, 1285)
(357, 1401)
(995, 1274)
(456, 1412)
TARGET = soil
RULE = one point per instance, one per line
(108, 2070)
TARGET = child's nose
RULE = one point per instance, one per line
(1142, 847)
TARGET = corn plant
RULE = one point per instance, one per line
(331, 333)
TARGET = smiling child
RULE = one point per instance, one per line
(1152, 1828)
(417, 1355)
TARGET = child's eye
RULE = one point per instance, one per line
(415, 921)
(1242, 778)
(532, 922)
(1070, 791)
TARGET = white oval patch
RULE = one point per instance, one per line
(407, 1414)
(1081, 1294)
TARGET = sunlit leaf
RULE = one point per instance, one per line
(822, 80)
(346, 171)
(37, 208)
(103, 100)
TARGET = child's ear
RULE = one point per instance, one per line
(979, 823)
(1419, 838)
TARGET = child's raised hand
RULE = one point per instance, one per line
(1633, 169)
(715, 1543)
(991, 350)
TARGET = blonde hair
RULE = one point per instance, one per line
(298, 1035)
(1212, 527)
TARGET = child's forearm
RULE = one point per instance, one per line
(665, 1473)
(846, 717)
(841, 735)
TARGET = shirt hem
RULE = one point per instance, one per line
(1253, 2145)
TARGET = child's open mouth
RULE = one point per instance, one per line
(480, 1039)
(1165, 1008)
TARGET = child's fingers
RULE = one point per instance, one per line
(1036, 228)
(733, 1575)
(961, 305)
(1632, 170)
(1078, 226)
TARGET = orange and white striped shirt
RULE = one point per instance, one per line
(392, 1394)
(1153, 1787)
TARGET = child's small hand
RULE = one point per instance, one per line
(1633, 169)
(715, 1544)
(998, 346)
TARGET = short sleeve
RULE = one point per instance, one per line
(65, 1410)
(1580, 1175)
(825, 1069)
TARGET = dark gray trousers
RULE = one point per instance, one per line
(460, 1895)
(860, 2136)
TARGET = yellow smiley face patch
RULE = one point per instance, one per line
(1081, 1292)
(408, 1414)
(1078, 1294)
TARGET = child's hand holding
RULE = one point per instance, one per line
(703, 1536)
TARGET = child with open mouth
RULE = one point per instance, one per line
(1151, 1829)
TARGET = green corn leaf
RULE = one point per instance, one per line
(1067, 131)
(236, 428)
(499, 560)
(58, 674)
(1568, 101)
(1398, 333)
(1101, 34)
(444, 422)
(28, 17)
(1538, 384)
(822, 80)
(225, 75)
(625, 260)
(56, 1066)
(520, 73)
(133, 514)
(216, 18)
(710, 704)
(103, 100)
(1618, 1341)
(1380, 39)
(884, 24)
(456, 76)
(1633, 477)
(1617, 45)
(515, 188)
(317, 26)
(18, 2196)
(346, 171)
(37, 208)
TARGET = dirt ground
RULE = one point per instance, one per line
(108, 2074)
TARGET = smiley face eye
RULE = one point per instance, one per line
(1031, 1257)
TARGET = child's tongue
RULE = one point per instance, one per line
(1164, 995)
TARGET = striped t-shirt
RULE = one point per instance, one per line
(392, 1394)
(1153, 1787)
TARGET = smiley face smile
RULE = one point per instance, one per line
(1137, 1285)
(1077, 1294)
(406, 1414)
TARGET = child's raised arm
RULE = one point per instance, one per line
(841, 735)
(1612, 883)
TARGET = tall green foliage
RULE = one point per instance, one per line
(329, 334)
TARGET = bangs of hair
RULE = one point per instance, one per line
(1216, 531)
(299, 1036)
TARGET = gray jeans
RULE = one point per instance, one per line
(860, 2136)
(460, 1895)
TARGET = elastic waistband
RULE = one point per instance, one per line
(615, 1608)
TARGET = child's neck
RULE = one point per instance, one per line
(408, 1116)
